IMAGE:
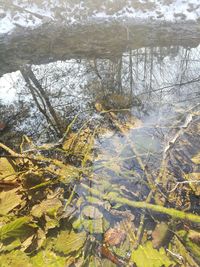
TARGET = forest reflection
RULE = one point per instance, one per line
(144, 80)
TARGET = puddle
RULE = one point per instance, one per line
(99, 157)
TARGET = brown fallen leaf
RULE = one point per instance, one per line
(114, 236)
(159, 234)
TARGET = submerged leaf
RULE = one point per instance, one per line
(92, 212)
(96, 226)
(147, 256)
(159, 234)
(92, 220)
(122, 250)
(68, 242)
(114, 236)
(49, 207)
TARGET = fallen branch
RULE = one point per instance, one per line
(144, 205)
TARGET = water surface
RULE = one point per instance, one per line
(104, 169)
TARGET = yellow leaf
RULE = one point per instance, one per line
(6, 168)
(147, 256)
(8, 201)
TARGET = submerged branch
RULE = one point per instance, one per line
(144, 205)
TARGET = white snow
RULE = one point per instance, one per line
(6, 24)
(8, 90)
(178, 10)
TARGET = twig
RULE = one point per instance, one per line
(183, 182)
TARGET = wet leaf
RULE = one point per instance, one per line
(123, 249)
(48, 258)
(78, 224)
(12, 245)
(147, 256)
(6, 169)
(8, 201)
(49, 206)
(33, 178)
(41, 237)
(80, 144)
(92, 212)
(68, 242)
(15, 259)
(114, 236)
(159, 234)
(95, 226)
(51, 223)
(68, 173)
(15, 228)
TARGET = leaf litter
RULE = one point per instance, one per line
(94, 210)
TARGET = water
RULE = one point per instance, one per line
(107, 169)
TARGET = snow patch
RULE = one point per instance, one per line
(29, 14)
(8, 90)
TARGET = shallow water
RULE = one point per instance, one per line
(133, 138)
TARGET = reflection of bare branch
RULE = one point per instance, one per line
(173, 85)
(53, 118)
